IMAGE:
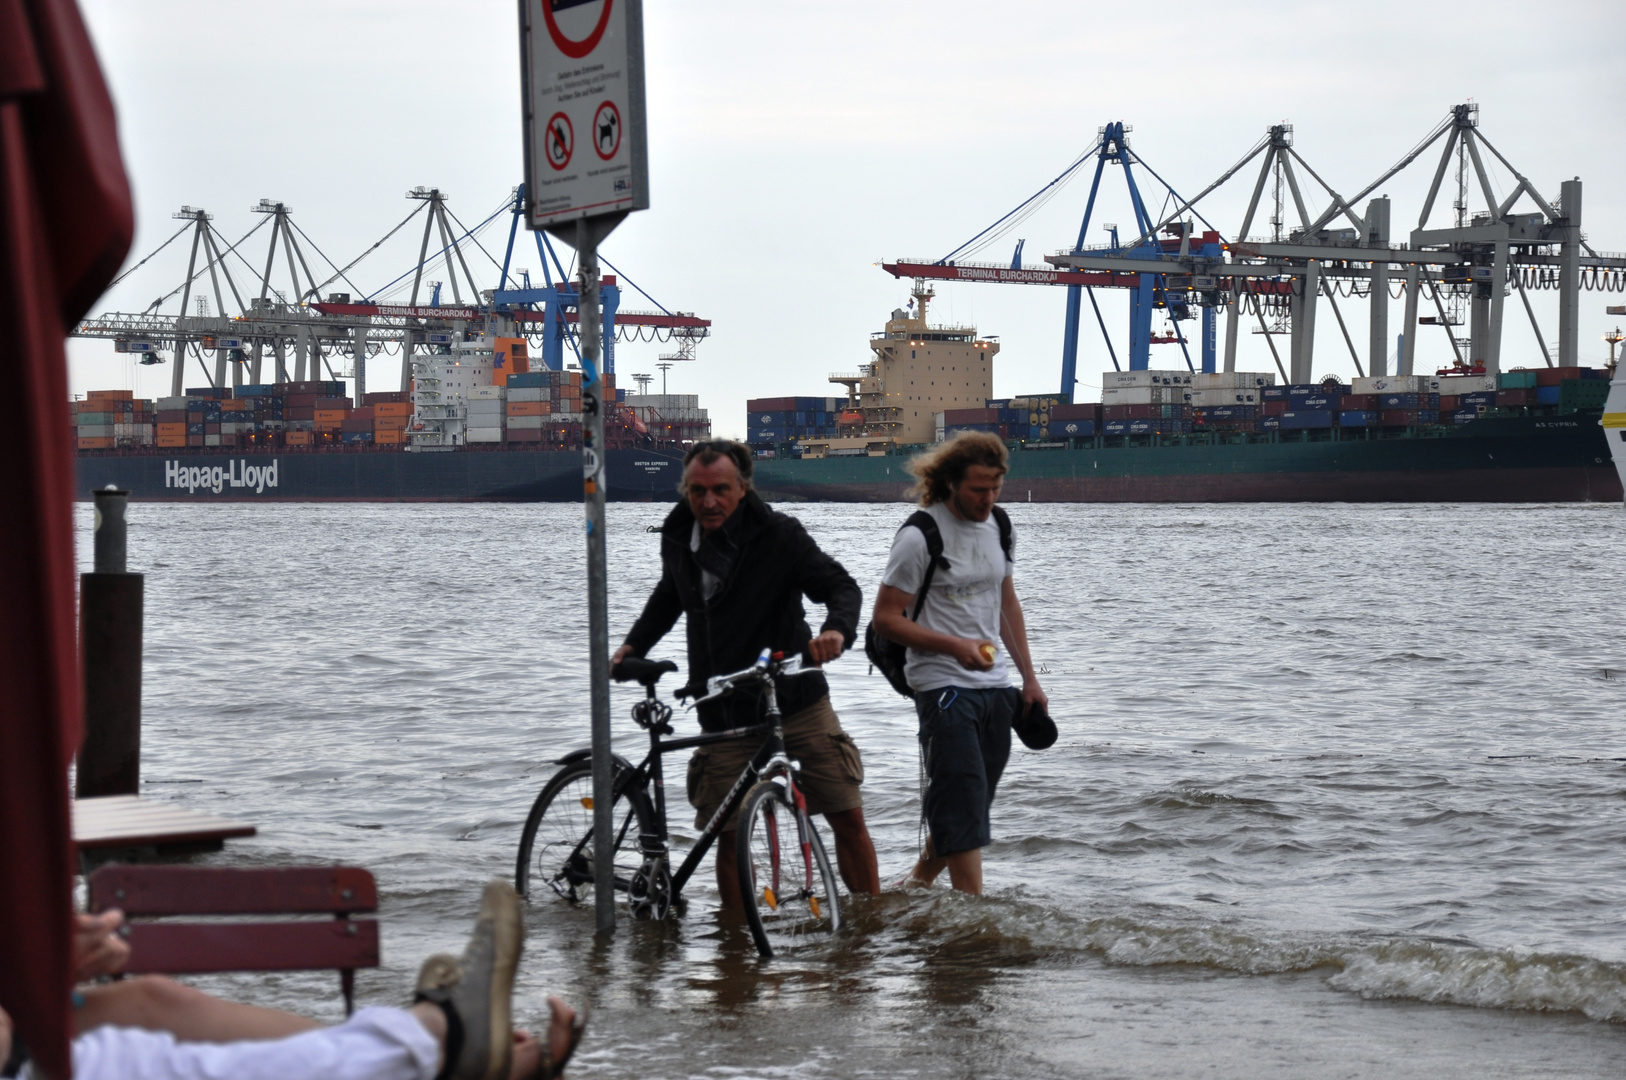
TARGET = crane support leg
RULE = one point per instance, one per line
(1140, 324)
(1493, 337)
(1230, 329)
(1069, 342)
(1569, 277)
(1377, 233)
(1210, 333)
(1408, 326)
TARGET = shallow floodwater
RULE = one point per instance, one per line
(1340, 790)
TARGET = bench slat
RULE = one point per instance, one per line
(198, 948)
(208, 890)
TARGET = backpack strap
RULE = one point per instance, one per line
(923, 521)
(1006, 538)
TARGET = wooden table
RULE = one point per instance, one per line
(128, 825)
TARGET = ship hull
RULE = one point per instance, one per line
(1549, 459)
(458, 476)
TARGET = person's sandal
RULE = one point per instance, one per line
(475, 990)
(555, 1070)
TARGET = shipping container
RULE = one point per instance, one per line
(1072, 429)
(389, 397)
(1082, 410)
(1554, 376)
(1516, 399)
(1326, 402)
(1219, 397)
(391, 436)
(1516, 380)
(299, 438)
(1406, 417)
(1305, 419)
(1582, 394)
(1547, 395)
(1358, 418)
(1273, 407)
(1126, 379)
(520, 435)
(525, 408)
(479, 435)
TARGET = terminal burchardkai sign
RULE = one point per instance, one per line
(582, 64)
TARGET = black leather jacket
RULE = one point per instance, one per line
(768, 564)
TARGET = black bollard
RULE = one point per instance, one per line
(110, 601)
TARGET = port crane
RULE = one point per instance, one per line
(295, 323)
(1474, 264)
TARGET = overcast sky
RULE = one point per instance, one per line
(795, 146)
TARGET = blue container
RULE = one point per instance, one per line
(1013, 416)
(1400, 401)
(194, 429)
(1273, 393)
(809, 404)
(1270, 423)
(1231, 412)
(996, 403)
(1302, 390)
(1358, 418)
(1072, 429)
(356, 437)
(1547, 395)
(1594, 373)
(1462, 416)
(1318, 401)
(528, 380)
(1305, 418)
(1487, 398)
(770, 419)
(952, 429)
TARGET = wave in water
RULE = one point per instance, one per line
(1414, 969)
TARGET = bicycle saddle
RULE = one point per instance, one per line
(643, 672)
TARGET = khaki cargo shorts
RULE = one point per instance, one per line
(830, 773)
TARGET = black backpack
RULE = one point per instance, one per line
(886, 655)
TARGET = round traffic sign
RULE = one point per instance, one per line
(559, 141)
(572, 26)
(606, 130)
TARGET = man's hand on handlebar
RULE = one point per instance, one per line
(826, 647)
(620, 654)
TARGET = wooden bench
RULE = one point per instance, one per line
(196, 948)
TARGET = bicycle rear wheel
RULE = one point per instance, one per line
(556, 846)
(785, 877)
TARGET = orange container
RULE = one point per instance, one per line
(402, 409)
(525, 408)
(331, 416)
(299, 438)
(390, 423)
(237, 405)
(114, 395)
(105, 443)
(172, 440)
(172, 429)
(389, 435)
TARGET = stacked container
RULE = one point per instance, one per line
(488, 411)
(112, 419)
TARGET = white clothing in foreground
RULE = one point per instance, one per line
(965, 599)
(374, 1044)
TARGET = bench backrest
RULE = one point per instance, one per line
(187, 948)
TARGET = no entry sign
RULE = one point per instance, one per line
(583, 68)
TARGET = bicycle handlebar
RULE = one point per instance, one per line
(766, 667)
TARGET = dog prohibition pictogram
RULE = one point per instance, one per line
(607, 130)
(559, 141)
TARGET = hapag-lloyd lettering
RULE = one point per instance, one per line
(217, 478)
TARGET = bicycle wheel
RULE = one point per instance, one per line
(556, 847)
(785, 878)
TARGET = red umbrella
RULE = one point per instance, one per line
(65, 226)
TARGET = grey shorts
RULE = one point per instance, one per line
(831, 768)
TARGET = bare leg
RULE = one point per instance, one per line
(855, 852)
(964, 867)
(728, 871)
(159, 1004)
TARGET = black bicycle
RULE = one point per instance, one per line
(786, 883)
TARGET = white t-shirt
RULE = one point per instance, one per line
(965, 597)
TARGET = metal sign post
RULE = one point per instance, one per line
(586, 168)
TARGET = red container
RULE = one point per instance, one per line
(1554, 375)
(194, 440)
(1512, 399)
(333, 403)
(514, 435)
(211, 429)
(1363, 402)
(366, 412)
(307, 412)
(300, 401)
(350, 425)
(398, 397)
(1449, 402)
(1081, 410)
(172, 416)
(771, 404)
(1397, 417)
(1274, 407)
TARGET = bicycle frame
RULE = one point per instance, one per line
(770, 760)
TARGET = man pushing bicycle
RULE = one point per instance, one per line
(739, 569)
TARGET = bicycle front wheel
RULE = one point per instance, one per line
(785, 878)
(556, 846)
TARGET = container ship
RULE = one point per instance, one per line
(1182, 436)
(477, 424)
